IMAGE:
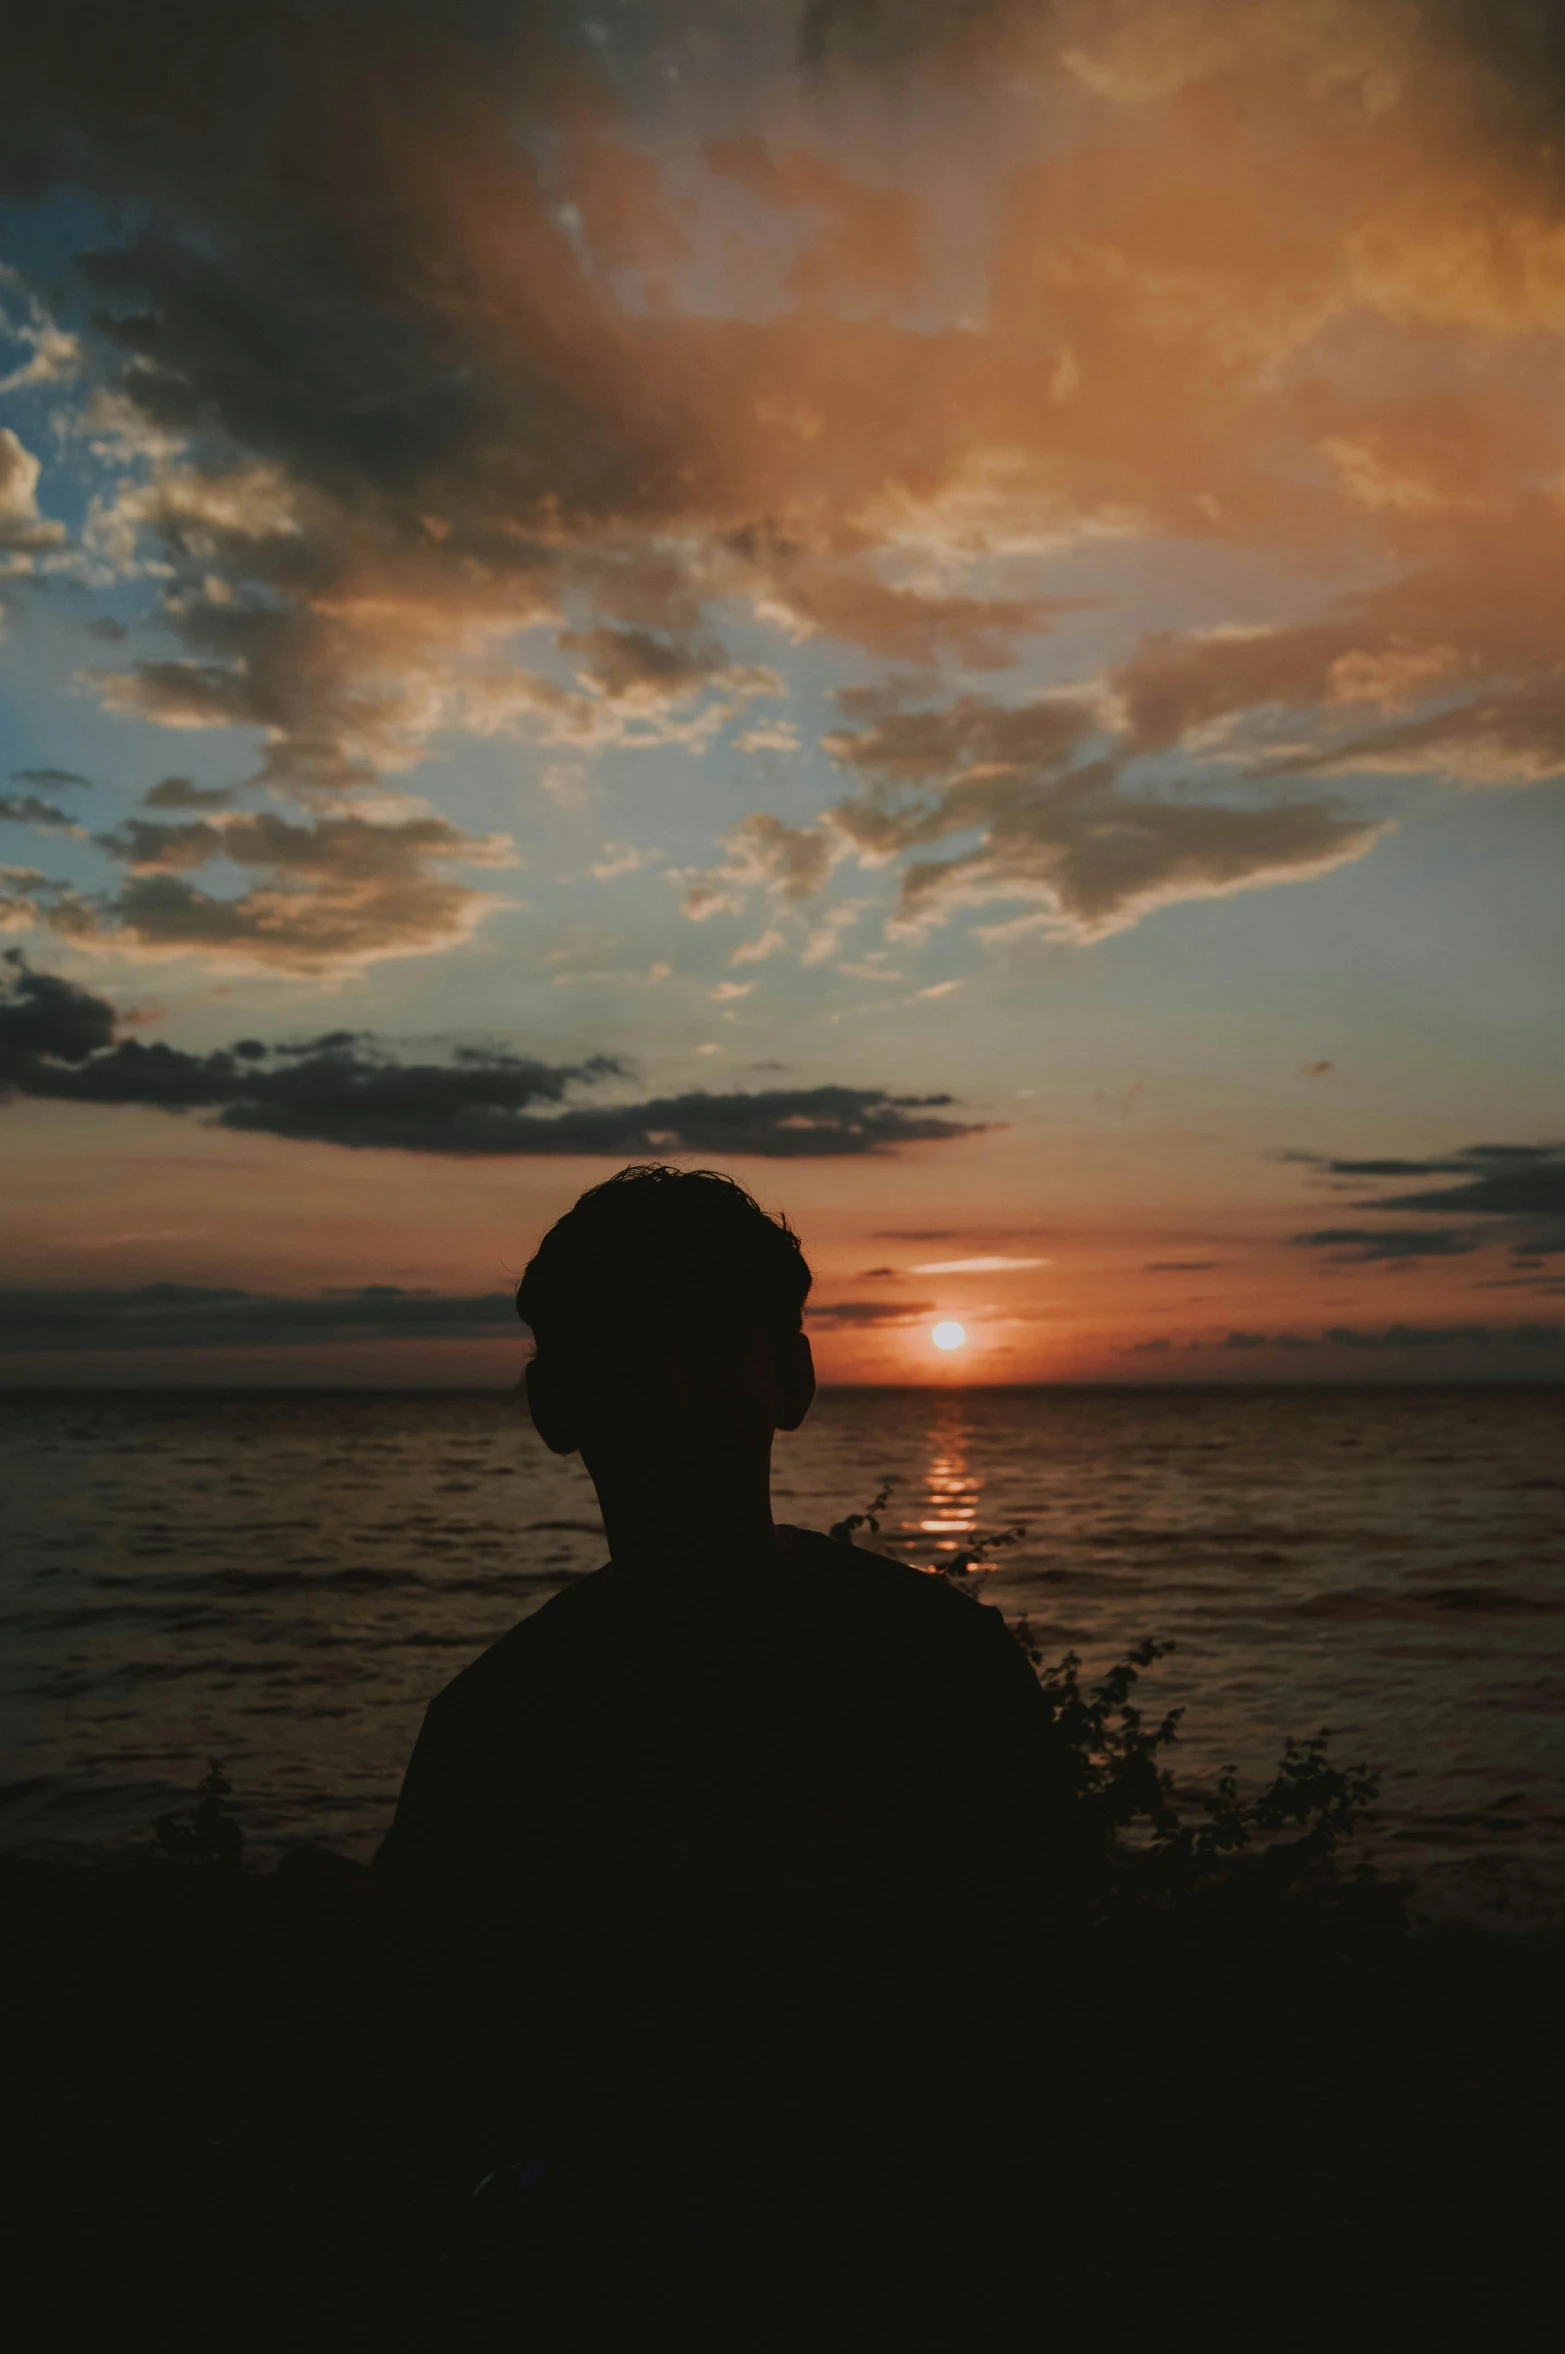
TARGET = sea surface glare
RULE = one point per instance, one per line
(283, 1581)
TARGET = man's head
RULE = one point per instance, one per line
(666, 1307)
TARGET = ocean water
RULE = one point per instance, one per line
(283, 1581)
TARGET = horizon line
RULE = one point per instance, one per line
(395, 1389)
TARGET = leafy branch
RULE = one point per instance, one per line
(976, 1558)
(1140, 1837)
(842, 1532)
(210, 1840)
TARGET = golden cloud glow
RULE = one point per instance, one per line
(507, 415)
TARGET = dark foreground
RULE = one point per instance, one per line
(1262, 2124)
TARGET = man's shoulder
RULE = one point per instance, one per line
(526, 1650)
(578, 1628)
(880, 1587)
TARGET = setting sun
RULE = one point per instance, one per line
(949, 1336)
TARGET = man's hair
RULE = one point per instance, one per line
(684, 1253)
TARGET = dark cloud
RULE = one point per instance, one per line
(46, 1020)
(1512, 1181)
(1522, 46)
(29, 809)
(1178, 1266)
(635, 665)
(1392, 1338)
(1059, 827)
(329, 895)
(195, 1316)
(1352, 1246)
(1514, 1193)
(57, 1043)
(1382, 1168)
(872, 1312)
(1175, 683)
(786, 1124)
(177, 792)
(51, 779)
(1443, 1336)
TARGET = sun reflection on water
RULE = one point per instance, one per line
(947, 1508)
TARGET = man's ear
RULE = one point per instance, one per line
(795, 1381)
(549, 1404)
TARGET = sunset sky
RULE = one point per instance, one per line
(957, 609)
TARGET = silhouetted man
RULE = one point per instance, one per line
(730, 1848)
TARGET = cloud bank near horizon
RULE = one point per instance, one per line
(1506, 1195)
(1347, 1340)
(158, 1317)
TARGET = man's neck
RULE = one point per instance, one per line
(654, 1521)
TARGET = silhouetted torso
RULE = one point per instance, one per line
(725, 1857)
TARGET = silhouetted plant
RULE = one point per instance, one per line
(1142, 1838)
(975, 1560)
(1139, 1842)
(960, 1565)
(842, 1531)
(210, 1840)
(1114, 1750)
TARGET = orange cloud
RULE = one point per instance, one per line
(1059, 828)
(448, 354)
(329, 896)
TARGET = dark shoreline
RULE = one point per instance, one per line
(1222, 2108)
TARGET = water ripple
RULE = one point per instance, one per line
(284, 1581)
